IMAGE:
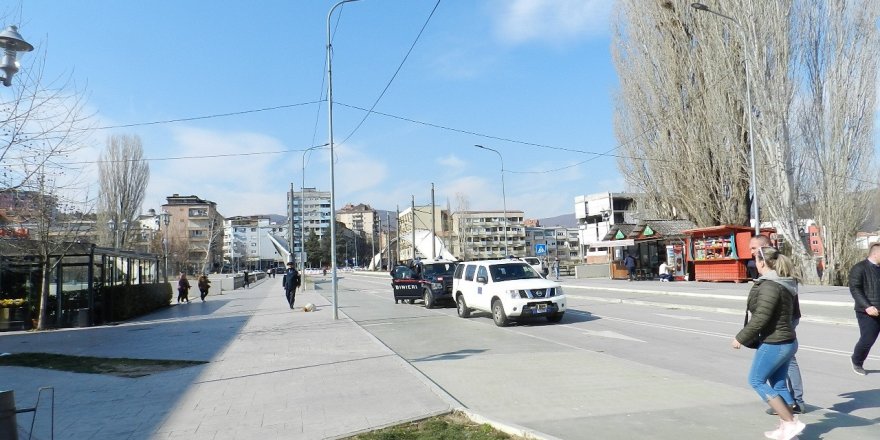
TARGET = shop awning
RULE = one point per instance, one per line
(613, 243)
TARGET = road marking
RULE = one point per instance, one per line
(378, 323)
(683, 318)
(608, 334)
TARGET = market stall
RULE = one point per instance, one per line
(719, 253)
(650, 242)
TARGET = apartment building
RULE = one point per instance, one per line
(194, 234)
(480, 234)
(247, 243)
(560, 242)
(421, 217)
(310, 212)
(360, 218)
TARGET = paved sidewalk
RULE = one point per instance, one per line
(273, 373)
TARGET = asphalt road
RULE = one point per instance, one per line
(617, 370)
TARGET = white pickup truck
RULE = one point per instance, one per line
(508, 289)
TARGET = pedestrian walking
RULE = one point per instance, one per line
(630, 263)
(864, 286)
(771, 304)
(795, 381)
(247, 280)
(183, 288)
(204, 285)
(291, 281)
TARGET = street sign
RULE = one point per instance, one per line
(540, 249)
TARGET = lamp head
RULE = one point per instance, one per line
(700, 6)
(11, 42)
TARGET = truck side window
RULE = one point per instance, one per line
(469, 272)
(459, 271)
(483, 273)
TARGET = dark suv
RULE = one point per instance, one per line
(437, 282)
(430, 281)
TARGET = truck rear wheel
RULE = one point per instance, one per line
(429, 299)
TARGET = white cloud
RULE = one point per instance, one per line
(555, 21)
(357, 171)
(452, 163)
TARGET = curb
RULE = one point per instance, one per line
(455, 405)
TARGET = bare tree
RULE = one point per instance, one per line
(840, 56)
(123, 176)
(42, 124)
(682, 117)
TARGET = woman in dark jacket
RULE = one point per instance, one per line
(771, 304)
(182, 289)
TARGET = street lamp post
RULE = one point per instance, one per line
(11, 42)
(503, 195)
(334, 281)
(165, 218)
(112, 225)
(754, 179)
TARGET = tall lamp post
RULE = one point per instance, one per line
(503, 194)
(165, 218)
(334, 281)
(112, 225)
(754, 179)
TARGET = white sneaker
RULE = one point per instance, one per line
(791, 429)
(775, 433)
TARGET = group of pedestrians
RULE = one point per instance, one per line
(772, 315)
(183, 287)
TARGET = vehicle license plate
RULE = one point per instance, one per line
(541, 308)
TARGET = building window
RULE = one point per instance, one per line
(198, 212)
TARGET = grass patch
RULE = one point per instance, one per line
(445, 427)
(122, 367)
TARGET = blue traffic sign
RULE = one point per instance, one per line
(540, 249)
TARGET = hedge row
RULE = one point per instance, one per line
(131, 301)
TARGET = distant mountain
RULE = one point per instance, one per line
(564, 220)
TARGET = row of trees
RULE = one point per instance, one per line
(682, 117)
(357, 250)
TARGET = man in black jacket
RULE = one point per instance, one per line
(291, 282)
(864, 286)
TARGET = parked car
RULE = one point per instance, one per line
(430, 281)
(536, 264)
(508, 289)
(405, 284)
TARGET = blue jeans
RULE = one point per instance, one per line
(770, 370)
(795, 381)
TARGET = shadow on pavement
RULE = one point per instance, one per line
(450, 356)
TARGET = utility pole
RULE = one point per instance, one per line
(433, 225)
(375, 223)
(290, 245)
(413, 224)
(388, 237)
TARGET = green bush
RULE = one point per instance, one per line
(131, 301)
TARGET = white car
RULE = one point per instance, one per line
(508, 289)
(536, 264)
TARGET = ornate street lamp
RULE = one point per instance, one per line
(11, 42)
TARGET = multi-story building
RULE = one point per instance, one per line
(596, 215)
(421, 218)
(480, 234)
(247, 243)
(310, 212)
(360, 218)
(560, 242)
(194, 234)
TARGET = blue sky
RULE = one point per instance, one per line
(533, 71)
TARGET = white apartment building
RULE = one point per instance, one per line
(480, 234)
(310, 211)
(246, 243)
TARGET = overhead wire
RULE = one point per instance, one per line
(391, 80)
